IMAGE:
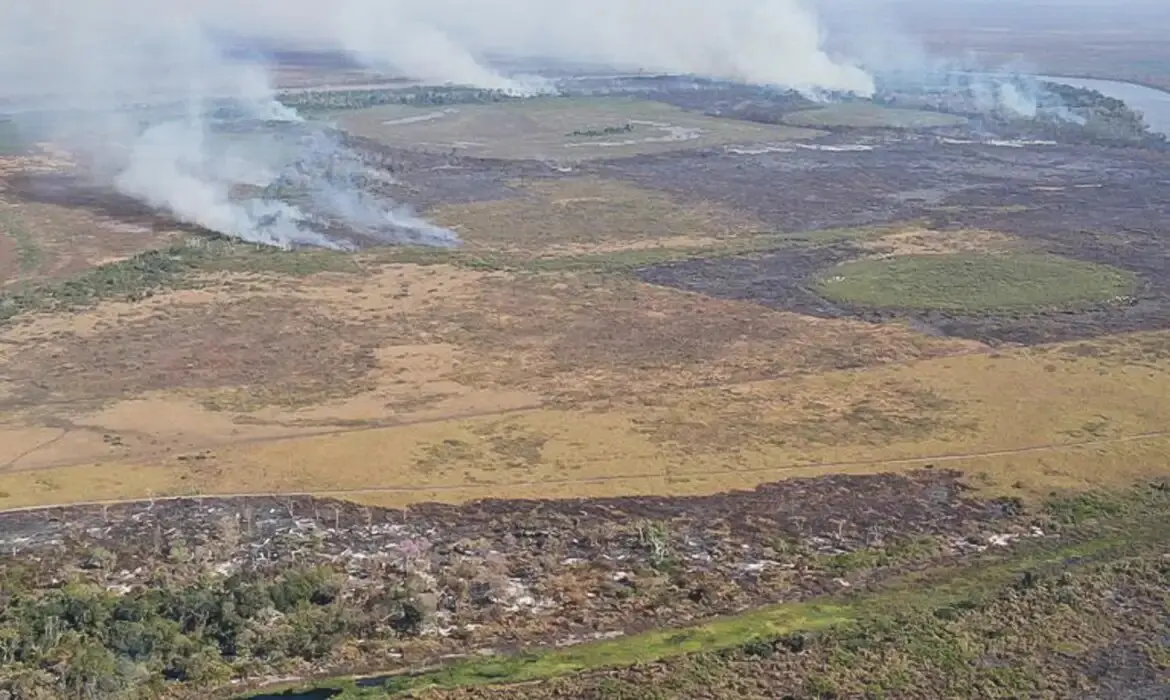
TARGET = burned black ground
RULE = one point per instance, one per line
(1091, 203)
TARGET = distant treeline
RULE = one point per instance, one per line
(325, 101)
(1074, 114)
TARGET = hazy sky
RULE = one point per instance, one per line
(117, 45)
(108, 44)
(1096, 15)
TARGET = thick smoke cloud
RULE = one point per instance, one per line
(108, 61)
(754, 41)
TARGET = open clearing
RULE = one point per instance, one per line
(450, 382)
(1023, 422)
(865, 115)
(557, 129)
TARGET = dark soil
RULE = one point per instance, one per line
(73, 190)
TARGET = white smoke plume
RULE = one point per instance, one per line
(107, 59)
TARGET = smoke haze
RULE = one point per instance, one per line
(98, 58)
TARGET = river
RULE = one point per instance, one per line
(1154, 104)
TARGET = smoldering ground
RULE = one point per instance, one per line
(280, 182)
(154, 111)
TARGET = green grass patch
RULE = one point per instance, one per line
(894, 554)
(643, 648)
(487, 261)
(637, 649)
(1087, 508)
(1039, 638)
(975, 282)
(618, 261)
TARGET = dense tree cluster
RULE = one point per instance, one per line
(1097, 115)
(93, 642)
(1062, 112)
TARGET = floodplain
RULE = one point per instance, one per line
(682, 368)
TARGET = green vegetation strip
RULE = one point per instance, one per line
(187, 264)
(1120, 527)
(172, 268)
(974, 282)
(312, 102)
(958, 282)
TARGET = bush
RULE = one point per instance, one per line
(304, 587)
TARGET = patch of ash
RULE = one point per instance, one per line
(1006, 143)
(835, 148)
(758, 150)
(418, 118)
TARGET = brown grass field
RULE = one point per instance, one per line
(388, 381)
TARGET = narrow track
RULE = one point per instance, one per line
(822, 466)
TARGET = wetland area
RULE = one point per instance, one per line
(720, 393)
